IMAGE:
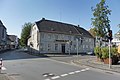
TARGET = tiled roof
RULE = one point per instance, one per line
(12, 37)
(61, 28)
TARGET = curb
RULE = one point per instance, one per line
(83, 63)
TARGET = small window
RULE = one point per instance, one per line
(42, 35)
(75, 47)
(90, 40)
(75, 38)
(49, 36)
(83, 46)
(49, 47)
(56, 47)
(86, 46)
(69, 37)
(41, 46)
(56, 37)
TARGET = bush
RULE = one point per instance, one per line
(97, 51)
(103, 52)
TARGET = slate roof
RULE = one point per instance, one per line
(12, 38)
(1, 24)
(61, 28)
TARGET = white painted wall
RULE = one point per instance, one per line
(44, 42)
(48, 41)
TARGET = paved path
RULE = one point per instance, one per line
(23, 66)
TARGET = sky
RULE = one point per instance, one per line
(15, 13)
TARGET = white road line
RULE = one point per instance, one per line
(63, 75)
(77, 71)
(87, 68)
(45, 75)
(71, 73)
(47, 79)
(83, 70)
(55, 77)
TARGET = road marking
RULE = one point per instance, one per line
(45, 75)
(87, 68)
(71, 73)
(77, 71)
(55, 77)
(47, 79)
(83, 70)
(63, 75)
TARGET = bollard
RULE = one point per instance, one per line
(1, 65)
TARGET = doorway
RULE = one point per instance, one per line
(63, 48)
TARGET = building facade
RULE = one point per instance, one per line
(56, 37)
(12, 41)
(3, 36)
(116, 39)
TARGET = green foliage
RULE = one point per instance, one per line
(104, 52)
(114, 51)
(97, 51)
(25, 33)
(100, 20)
(93, 32)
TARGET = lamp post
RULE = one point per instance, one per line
(109, 55)
(77, 46)
(69, 46)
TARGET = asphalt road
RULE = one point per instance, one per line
(22, 66)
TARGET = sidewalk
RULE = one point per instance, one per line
(92, 62)
(4, 77)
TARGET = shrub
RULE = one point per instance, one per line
(105, 52)
(97, 51)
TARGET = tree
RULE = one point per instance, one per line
(25, 33)
(100, 21)
(92, 31)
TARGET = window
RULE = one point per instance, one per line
(86, 46)
(56, 37)
(49, 47)
(89, 40)
(83, 46)
(75, 38)
(56, 47)
(49, 36)
(69, 37)
(41, 46)
(42, 35)
(75, 47)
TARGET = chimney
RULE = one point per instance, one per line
(43, 18)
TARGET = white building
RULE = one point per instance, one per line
(56, 37)
(116, 39)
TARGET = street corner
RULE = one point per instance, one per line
(4, 76)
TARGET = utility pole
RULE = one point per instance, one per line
(69, 47)
(77, 46)
(110, 39)
(109, 54)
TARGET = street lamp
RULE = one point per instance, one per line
(69, 46)
(77, 45)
